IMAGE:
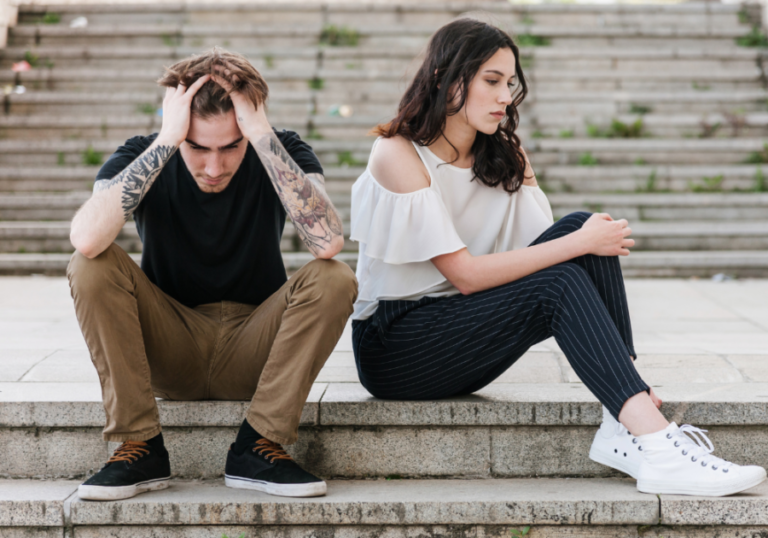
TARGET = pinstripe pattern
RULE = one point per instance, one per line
(449, 346)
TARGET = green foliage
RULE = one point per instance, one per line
(61, 159)
(526, 61)
(32, 58)
(22, 249)
(312, 133)
(347, 159)
(755, 38)
(269, 61)
(538, 134)
(700, 87)
(316, 83)
(744, 17)
(709, 184)
(528, 40)
(527, 20)
(760, 184)
(758, 157)
(242, 535)
(146, 108)
(51, 18)
(650, 183)
(516, 532)
(170, 40)
(91, 157)
(587, 159)
(639, 161)
(708, 130)
(617, 129)
(639, 109)
(339, 36)
(394, 477)
(566, 133)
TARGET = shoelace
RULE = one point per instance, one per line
(129, 451)
(271, 450)
(699, 447)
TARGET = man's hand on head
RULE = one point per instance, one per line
(177, 110)
(251, 119)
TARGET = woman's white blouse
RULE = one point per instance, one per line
(400, 233)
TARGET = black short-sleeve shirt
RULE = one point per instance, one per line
(208, 247)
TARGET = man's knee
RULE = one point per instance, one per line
(334, 278)
(90, 274)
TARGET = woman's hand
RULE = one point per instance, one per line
(603, 236)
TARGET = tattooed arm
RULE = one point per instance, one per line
(97, 224)
(304, 198)
(101, 218)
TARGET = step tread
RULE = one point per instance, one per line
(78, 405)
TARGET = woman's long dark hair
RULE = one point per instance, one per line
(455, 53)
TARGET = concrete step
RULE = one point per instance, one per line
(367, 80)
(347, 433)
(599, 508)
(668, 264)
(396, 58)
(543, 152)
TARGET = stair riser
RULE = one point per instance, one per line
(359, 452)
(409, 531)
(641, 184)
(22, 245)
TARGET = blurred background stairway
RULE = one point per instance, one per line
(654, 113)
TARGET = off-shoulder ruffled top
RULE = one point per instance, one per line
(400, 233)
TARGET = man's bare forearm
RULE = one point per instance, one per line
(100, 219)
(304, 198)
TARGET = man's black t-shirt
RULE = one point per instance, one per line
(208, 247)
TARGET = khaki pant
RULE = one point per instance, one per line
(144, 344)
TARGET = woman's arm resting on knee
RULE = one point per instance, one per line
(600, 235)
(99, 221)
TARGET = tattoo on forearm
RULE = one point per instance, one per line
(302, 195)
(136, 179)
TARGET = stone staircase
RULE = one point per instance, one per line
(488, 465)
(650, 112)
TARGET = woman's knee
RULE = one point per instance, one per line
(575, 219)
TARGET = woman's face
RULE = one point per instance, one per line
(490, 92)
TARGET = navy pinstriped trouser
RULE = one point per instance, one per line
(449, 346)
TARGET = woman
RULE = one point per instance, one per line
(461, 269)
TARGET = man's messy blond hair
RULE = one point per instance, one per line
(211, 99)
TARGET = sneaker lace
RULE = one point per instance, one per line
(271, 450)
(129, 451)
(699, 447)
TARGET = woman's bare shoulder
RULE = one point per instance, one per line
(397, 167)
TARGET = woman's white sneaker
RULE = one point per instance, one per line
(616, 447)
(674, 463)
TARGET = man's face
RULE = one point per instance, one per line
(213, 150)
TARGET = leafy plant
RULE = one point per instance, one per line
(146, 108)
(313, 134)
(31, 58)
(170, 41)
(639, 109)
(61, 159)
(242, 535)
(339, 36)
(710, 184)
(587, 159)
(700, 87)
(755, 38)
(316, 83)
(527, 20)
(537, 134)
(51, 18)
(523, 532)
(346, 159)
(617, 129)
(566, 133)
(760, 184)
(269, 61)
(526, 61)
(639, 161)
(394, 477)
(650, 183)
(529, 40)
(91, 157)
(758, 157)
(708, 130)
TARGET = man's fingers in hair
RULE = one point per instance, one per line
(197, 85)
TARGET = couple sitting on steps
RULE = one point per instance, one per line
(461, 269)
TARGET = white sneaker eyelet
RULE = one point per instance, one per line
(634, 441)
(714, 467)
(640, 448)
(685, 452)
(725, 470)
(669, 436)
(677, 444)
(703, 463)
(694, 458)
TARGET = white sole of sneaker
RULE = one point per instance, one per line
(312, 489)
(116, 493)
(657, 487)
(610, 460)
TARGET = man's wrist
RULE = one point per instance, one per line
(164, 139)
(254, 135)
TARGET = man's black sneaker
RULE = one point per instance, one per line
(135, 467)
(266, 467)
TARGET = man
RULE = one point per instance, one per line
(210, 315)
